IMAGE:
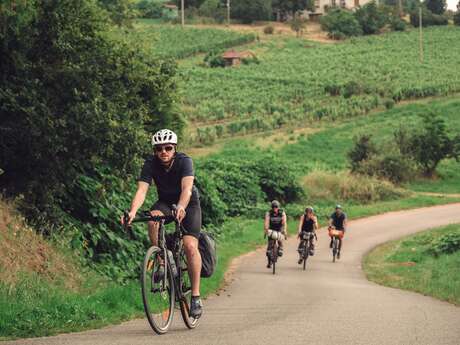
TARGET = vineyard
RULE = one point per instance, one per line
(177, 42)
(299, 82)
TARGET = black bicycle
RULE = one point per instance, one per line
(335, 243)
(273, 248)
(164, 276)
(305, 246)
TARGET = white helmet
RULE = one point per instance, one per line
(164, 136)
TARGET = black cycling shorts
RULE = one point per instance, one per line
(192, 220)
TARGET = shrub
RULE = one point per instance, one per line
(397, 24)
(371, 18)
(251, 10)
(269, 30)
(333, 89)
(364, 148)
(436, 6)
(352, 88)
(322, 185)
(389, 103)
(340, 24)
(214, 59)
(150, 8)
(446, 244)
(428, 18)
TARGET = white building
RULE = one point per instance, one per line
(321, 6)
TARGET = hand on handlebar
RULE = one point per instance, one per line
(127, 217)
(180, 213)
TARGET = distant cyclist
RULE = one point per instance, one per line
(275, 220)
(172, 173)
(338, 221)
(308, 224)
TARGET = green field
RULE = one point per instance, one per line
(299, 82)
(410, 264)
(173, 41)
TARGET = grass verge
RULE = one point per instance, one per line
(35, 307)
(410, 263)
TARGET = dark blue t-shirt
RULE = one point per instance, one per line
(337, 221)
(169, 182)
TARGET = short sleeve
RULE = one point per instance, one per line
(146, 172)
(187, 167)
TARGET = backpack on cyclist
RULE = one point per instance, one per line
(207, 247)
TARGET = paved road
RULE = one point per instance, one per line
(327, 304)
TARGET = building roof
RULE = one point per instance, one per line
(231, 54)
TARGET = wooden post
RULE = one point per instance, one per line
(421, 34)
(228, 12)
(182, 9)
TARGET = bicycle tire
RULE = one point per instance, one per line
(274, 256)
(334, 249)
(185, 292)
(158, 297)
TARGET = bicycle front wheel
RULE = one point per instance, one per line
(157, 290)
(185, 293)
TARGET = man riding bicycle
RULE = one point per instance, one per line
(308, 224)
(338, 221)
(275, 220)
(172, 173)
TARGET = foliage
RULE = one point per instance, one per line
(269, 30)
(150, 8)
(428, 18)
(291, 7)
(249, 11)
(430, 144)
(298, 24)
(121, 12)
(457, 15)
(446, 244)
(397, 24)
(363, 150)
(371, 17)
(436, 6)
(214, 59)
(177, 42)
(340, 23)
(73, 100)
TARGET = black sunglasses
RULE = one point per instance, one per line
(166, 148)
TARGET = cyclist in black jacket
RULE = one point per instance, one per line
(276, 220)
(308, 223)
(172, 173)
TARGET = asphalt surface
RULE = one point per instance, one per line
(329, 303)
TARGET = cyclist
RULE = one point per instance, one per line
(172, 173)
(338, 221)
(275, 220)
(308, 224)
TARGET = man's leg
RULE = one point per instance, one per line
(193, 262)
(154, 227)
(268, 253)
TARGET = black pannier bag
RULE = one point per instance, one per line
(207, 247)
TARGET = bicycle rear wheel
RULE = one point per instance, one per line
(185, 293)
(157, 292)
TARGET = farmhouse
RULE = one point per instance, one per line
(321, 6)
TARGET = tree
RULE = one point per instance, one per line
(340, 23)
(364, 148)
(371, 18)
(251, 10)
(73, 100)
(457, 15)
(121, 12)
(436, 6)
(291, 7)
(298, 24)
(431, 144)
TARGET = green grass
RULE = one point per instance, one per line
(173, 41)
(34, 307)
(408, 264)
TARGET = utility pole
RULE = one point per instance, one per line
(182, 13)
(400, 9)
(421, 35)
(228, 12)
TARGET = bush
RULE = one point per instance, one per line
(397, 24)
(340, 24)
(364, 148)
(73, 100)
(333, 89)
(150, 8)
(371, 18)
(269, 30)
(329, 186)
(446, 244)
(249, 11)
(352, 88)
(428, 18)
(214, 59)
